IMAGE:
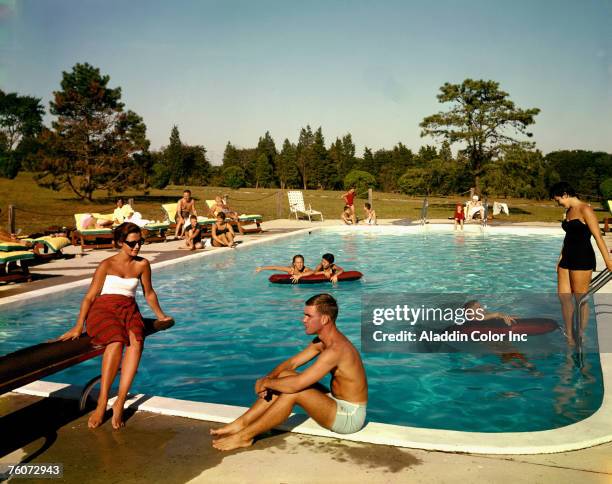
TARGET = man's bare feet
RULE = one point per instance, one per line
(230, 428)
(117, 419)
(232, 442)
(96, 417)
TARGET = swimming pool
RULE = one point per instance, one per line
(233, 326)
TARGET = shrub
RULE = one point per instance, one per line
(606, 192)
(233, 177)
(361, 180)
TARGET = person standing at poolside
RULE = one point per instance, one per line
(349, 200)
(185, 208)
(342, 411)
(114, 320)
(577, 259)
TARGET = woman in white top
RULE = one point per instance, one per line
(114, 320)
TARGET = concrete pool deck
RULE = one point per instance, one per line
(448, 465)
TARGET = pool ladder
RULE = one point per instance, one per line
(599, 281)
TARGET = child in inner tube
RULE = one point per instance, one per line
(327, 268)
(297, 269)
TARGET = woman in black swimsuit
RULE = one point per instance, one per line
(577, 260)
(222, 233)
(298, 268)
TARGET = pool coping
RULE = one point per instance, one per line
(593, 430)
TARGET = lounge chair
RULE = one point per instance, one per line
(48, 247)
(607, 220)
(499, 207)
(155, 231)
(245, 219)
(297, 206)
(14, 258)
(92, 238)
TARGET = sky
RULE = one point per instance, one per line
(231, 70)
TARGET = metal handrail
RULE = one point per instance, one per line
(485, 217)
(599, 281)
(424, 209)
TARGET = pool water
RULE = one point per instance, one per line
(233, 326)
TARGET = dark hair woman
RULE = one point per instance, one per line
(577, 259)
(114, 320)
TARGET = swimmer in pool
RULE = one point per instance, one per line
(328, 268)
(343, 410)
(297, 269)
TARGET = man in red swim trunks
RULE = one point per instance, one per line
(349, 198)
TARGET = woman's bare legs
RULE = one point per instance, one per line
(129, 367)
(110, 364)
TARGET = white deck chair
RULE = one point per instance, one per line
(296, 206)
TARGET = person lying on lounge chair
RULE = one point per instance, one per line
(343, 410)
(220, 206)
(296, 270)
(90, 222)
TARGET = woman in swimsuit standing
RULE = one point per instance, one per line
(577, 260)
(114, 320)
(298, 268)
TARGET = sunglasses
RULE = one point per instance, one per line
(133, 243)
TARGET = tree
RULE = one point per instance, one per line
(361, 180)
(480, 118)
(342, 154)
(266, 147)
(20, 124)
(93, 140)
(286, 168)
(305, 155)
(263, 171)
(233, 177)
(324, 174)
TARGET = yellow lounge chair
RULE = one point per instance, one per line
(245, 219)
(92, 238)
(13, 258)
(608, 220)
(48, 247)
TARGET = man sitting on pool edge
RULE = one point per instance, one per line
(342, 411)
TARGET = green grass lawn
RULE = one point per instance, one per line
(38, 208)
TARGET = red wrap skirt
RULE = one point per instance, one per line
(110, 318)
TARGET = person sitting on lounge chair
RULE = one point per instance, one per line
(122, 211)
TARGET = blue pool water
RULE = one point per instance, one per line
(233, 326)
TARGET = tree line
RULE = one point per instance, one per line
(95, 143)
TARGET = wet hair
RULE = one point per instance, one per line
(221, 215)
(326, 305)
(471, 304)
(187, 191)
(562, 188)
(121, 233)
(367, 205)
(297, 256)
(328, 257)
